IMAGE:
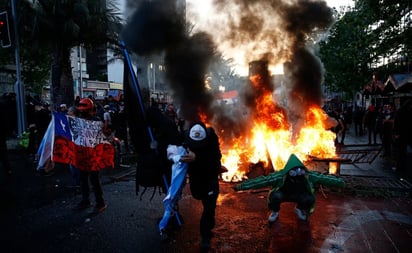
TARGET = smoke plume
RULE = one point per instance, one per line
(272, 31)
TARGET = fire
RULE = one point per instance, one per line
(272, 139)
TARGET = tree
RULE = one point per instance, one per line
(60, 25)
(373, 36)
(222, 73)
(346, 53)
(35, 64)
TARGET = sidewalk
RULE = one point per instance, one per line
(379, 174)
(37, 215)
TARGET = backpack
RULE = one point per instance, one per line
(153, 168)
(149, 173)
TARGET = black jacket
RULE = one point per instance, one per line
(207, 163)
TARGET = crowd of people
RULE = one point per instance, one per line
(201, 144)
(385, 125)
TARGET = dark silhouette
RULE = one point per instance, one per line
(402, 133)
(4, 159)
(204, 168)
(370, 123)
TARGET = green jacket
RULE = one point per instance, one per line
(276, 179)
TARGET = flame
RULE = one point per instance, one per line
(272, 139)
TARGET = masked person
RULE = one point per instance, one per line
(204, 167)
(294, 183)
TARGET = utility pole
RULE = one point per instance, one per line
(80, 72)
(18, 88)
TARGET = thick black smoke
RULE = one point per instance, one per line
(296, 22)
(305, 69)
(159, 27)
(186, 66)
(154, 27)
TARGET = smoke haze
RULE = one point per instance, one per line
(272, 31)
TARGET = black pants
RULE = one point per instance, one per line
(4, 159)
(95, 182)
(304, 200)
(371, 134)
(207, 221)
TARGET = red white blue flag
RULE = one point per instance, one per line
(76, 141)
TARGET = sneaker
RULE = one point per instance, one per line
(82, 205)
(301, 214)
(273, 216)
(99, 208)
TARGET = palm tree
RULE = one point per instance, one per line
(60, 25)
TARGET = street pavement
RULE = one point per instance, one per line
(373, 213)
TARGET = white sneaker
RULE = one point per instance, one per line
(301, 214)
(273, 216)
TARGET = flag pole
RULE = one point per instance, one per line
(136, 87)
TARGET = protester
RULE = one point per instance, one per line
(42, 120)
(73, 112)
(33, 142)
(63, 108)
(171, 113)
(165, 133)
(339, 129)
(294, 183)
(155, 166)
(348, 117)
(387, 134)
(87, 111)
(203, 169)
(76, 101)
(379, 123)
(402, 126)
(122, 126)
(113, 104)
(107, 120)
(4, 159)
(358, 120)
(369, 122)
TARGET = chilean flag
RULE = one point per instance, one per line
(76, 141)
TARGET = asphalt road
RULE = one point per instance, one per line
(37, 216)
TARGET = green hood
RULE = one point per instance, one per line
(292, 162)
(272, 178)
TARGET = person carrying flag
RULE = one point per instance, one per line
(204, 167)
(86, 110)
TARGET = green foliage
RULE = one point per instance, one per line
(35, 68)
(222, 73)
(58, 26)
(360, 39)
(34, 62)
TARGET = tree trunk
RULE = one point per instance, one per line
(62, 91)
